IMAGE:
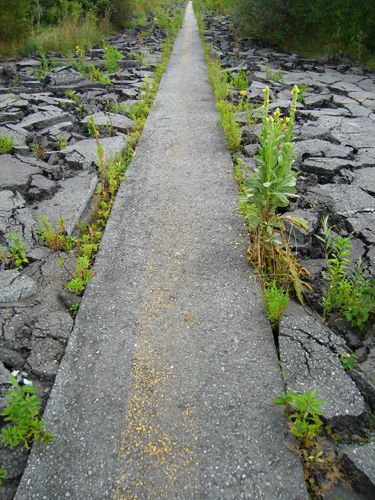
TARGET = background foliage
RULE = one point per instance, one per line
(313, 27)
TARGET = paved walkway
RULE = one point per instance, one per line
(167, 384)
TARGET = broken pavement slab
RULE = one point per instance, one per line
(360, 463)
(309, 353)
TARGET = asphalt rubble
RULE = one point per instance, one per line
(52, 171)
(335, 127)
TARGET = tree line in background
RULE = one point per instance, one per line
(314, 27)
(30, 25)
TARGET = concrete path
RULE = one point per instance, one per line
(167, 384)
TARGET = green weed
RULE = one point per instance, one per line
(348, 361)
(112, 56)
(37, 150)
(56, 237)
(82, 277)
(22, 412)
(347, 294)
(276, 301)
(6, 144)
(273, 75)
(230, 126)
(303, 90)
(61, 142)
(14, 255)
(304, 412)
(240, 80)
(71, 94)
(268, 189)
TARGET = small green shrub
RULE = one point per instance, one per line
(56, 237)
(240, 80)
(230, 126)
(3, 475)
(22, 412)
(348, 361)
(14, 254)
(304, 412)
(6, 143)
(61, 142)
(273, 75)
(346, 294)
(82, 277)
(276, 301)
(303, 90)
(37, 150)
(112, 56)
(71, 94)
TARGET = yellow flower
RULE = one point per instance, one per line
(243, 92)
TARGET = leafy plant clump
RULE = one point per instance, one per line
(112, 56)
(276, 301)
(304, 413)
(6, 143)
(347, 292)
(240, 80)
(14, 254)
(269, 189)
(56, 237)
(22, 412)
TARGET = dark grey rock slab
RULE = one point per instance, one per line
(15, 174)
(57, 325)
(70, 201)
(326, 168)
(16, 286)
(309, 353)
(45, 118)
(45, 357)
(84, 153)
(171, 320)
(119, 122)
(365, 179)
(4, 375)
(363, 224)
(344, 200)
(360, 463)
(16, 215)
(318, 147)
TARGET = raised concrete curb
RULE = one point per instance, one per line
(167, 384)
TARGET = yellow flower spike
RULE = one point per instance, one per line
(295, 90)
(243, 92)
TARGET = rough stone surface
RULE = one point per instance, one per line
(309, 352)
(119, 122)
(15, 174)
(360, 460)
(16, 286)
(84, 153)
(70, 201)
(206, 378)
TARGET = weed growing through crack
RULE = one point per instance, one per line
(22, 413)
(347, 293)
(303, 90)
(304, 413)
(112, 57)
(37, 150)
(273, 75)
(14, 254)
(6, 143)
(240, 81)
(276, 301)
(55, 237)
(348, 361)
(268, 189)
(71, 94)
(61, 142)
